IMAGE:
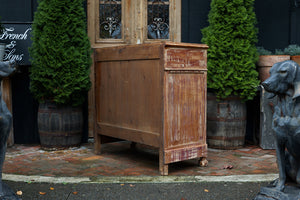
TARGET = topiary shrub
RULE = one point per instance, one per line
(60, 53)
(232, 54)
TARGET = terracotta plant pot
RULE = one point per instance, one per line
(296, 59)
(265, 63)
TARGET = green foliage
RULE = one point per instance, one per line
(232, 54)
(262, 51)
(60, 53)
(279, 52)
(292, 50)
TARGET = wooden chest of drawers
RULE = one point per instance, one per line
(153, 94)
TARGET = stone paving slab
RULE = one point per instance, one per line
(118, 159)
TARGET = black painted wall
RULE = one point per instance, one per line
(295, 23)
(17, 10)
(194, 18)
(278, 22)
(273, 23)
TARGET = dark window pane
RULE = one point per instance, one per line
(110, 19)
(158, 19)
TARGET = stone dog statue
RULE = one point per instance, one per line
(6, 69)
(284, 81)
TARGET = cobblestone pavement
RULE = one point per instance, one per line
(118, 159)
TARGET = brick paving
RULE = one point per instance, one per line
(118, 159)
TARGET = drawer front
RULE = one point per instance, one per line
(185, 59)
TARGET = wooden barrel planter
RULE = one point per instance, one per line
(59, 126)
(226, 122)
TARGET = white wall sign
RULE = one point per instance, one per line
(17, 38)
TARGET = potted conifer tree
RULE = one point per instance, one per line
(59, 76)
(232, 77)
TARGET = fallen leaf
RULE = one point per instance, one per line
(42, 193)
(122, 184)
(75, 193)
(51, 188)
(131, 185)
(206, 190)
(182, 199)
(19, 192)
(227, 167)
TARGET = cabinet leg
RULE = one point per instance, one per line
(164, 169)
(202, 162)
(97, 147)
